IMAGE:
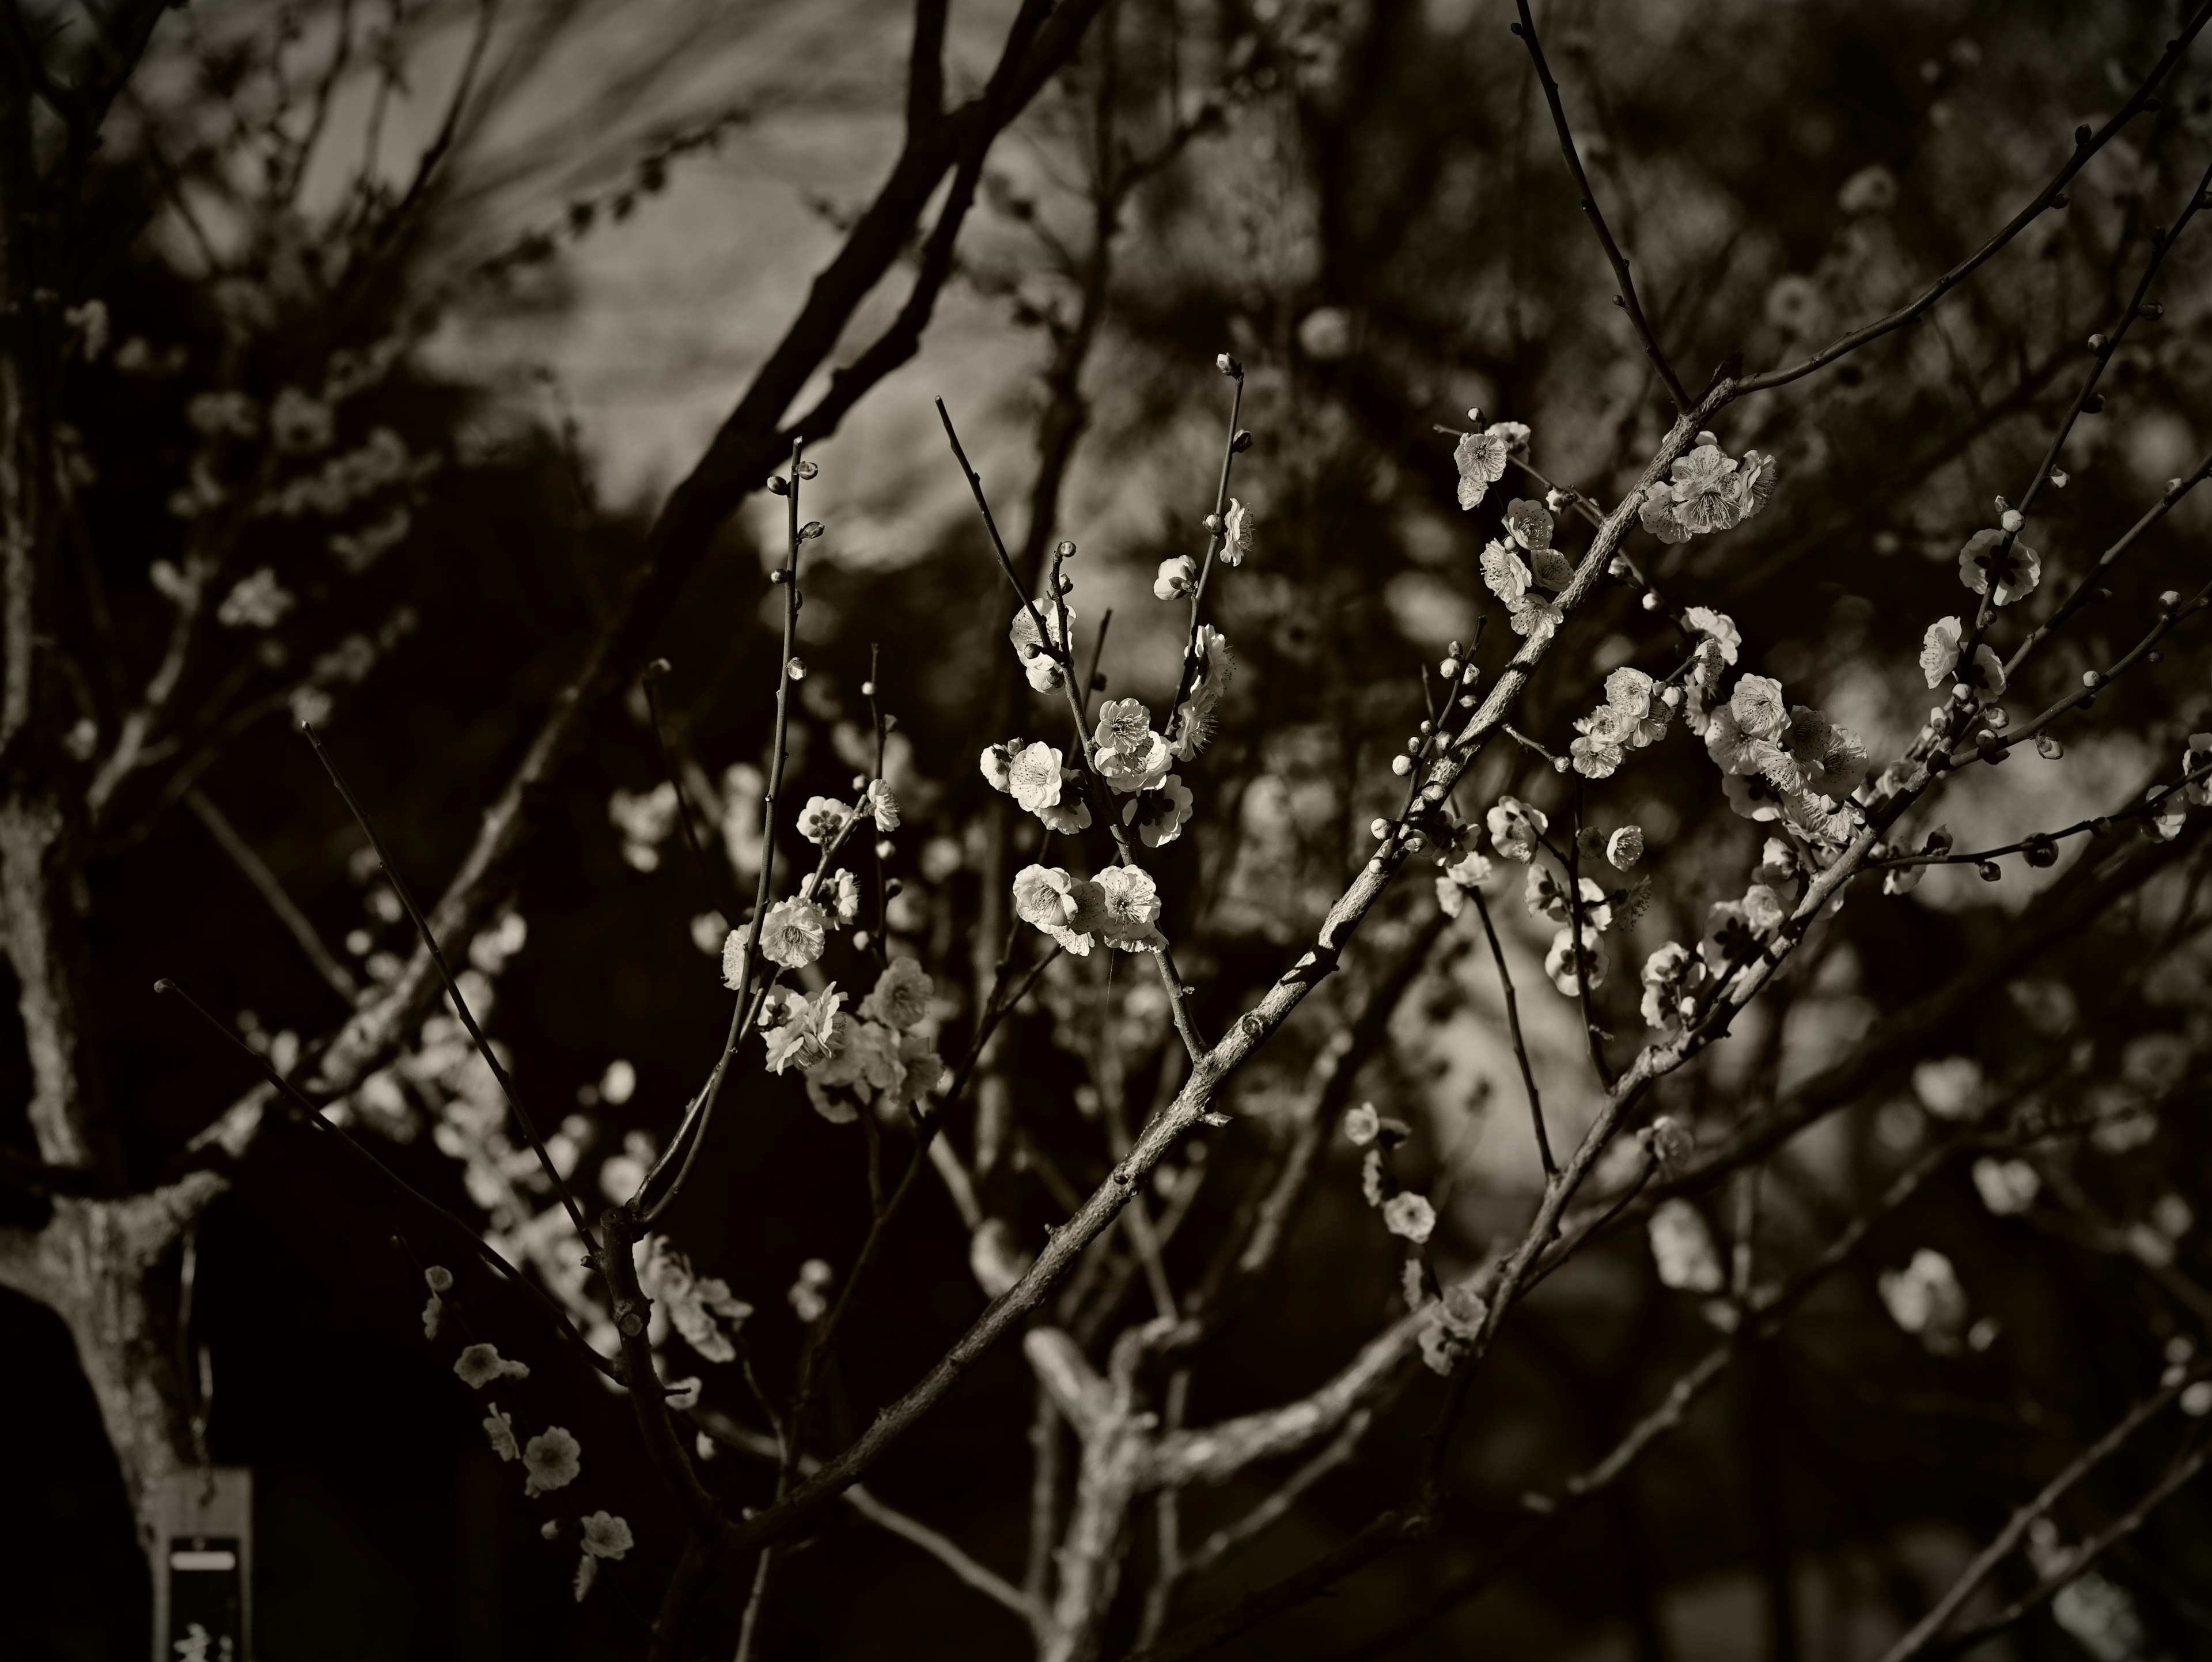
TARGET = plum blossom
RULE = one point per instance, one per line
(1939, 650)
(804, 1031)
(1194, 718)
(1625, 848)
(902, 994)
(822, 818)
(845, 896)
(1903, 879)
(2196, 768)
(1506, 574)
(1754, 483)
(1361, 1124)
(257, 601)
(997, 764)
(2016, 569)
(2007, 1187)
(478, 1365)
(1528, 523)
(1237, 533)
(552, 1458)
(1480, 458)
(1176, 578)
(1705, 495)
(1743, 738)
(500, 1428)
(1409, 1215)
(1514, 828)
(793, 933)
(1130, 757)
(881, 805)
(1669, 974)
(1460, 878)
(1566, 967)
(1546, 898)
(1682, 1249)
(607, 1535)
(1129, 907)
(1717, 627)
(808, 1295)
(697, 1305)
(1926, 1300)
(1048, 898)
(867, 1060)
(1158, 816)
(1033, 776)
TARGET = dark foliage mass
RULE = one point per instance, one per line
(1343, 1278)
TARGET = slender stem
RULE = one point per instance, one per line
(265, 882)
(453, 990)
(1526, 28)
(1520, 1044)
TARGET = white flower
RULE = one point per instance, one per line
(1048, 898)
(1926, 1300)
(501, 1430)
(1236, 533)
(1667, 973)
(807, 1292)
(881, 805)
(259, 601)
(438, 1278)
(1717, 627)
(1034, 775)
(480, 1364)
(1514, 828)
(1529, 523)
(1480, 458)
(1939, 650)
(1506, 572)
(1129, 907)
(1625, 848)
(901, 996)
(845, 896)
(1130, 756)
(1565, 965)
(434, 1312)
(1361, 1124)
(1410, 1215)
(1160, 815)
(1461, 876)
(794, 933)
(2018, 568)
(2007, 1187)
(697, 1305)
(733, 959)
(1988, 671)
(822, 819)
(1193, 719)
(998, 763)
(803, 1030)
(1176, 577)
(1682, 1249)
(552, 1458)
(2196, 768)
(607, 1535)
(587, 1572)
(1949, 1088)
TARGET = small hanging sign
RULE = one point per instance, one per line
(204, 1566)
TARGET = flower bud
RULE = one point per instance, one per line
(1671, 697)
(867, 691)
(2096, 343)
(2169, 598)
(1228, 366)
(2092, 679)
(1402, 765)
(1212, 523)
(2048, 747)
(806, 470)
(2058, 478)
(1242, 442)
(796, 670)
(810, 531)
(1650, 600)
(884, 848)
(1989, 871)
(2012, 519)
(1379, 829)
(1448, 668)
(780, 485)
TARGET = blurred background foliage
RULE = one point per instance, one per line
(1366, 204)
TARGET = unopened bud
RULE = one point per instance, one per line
(884, 848)
(2048, 748)
(1990, 872)
(1212, 523)
(1448, 668)
(1650, 600)
(1378, 829)
(2169, 600)
(1228, 366)
(780, 485)
(867, 689)
(810, 531)
(2096, 343)
(1242, 442)
(2012, 520)
(796, 670)
(1671, 697)
(1402, 765)
(1063, 550)
(2092, 678)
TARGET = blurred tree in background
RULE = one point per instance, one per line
(416, 374)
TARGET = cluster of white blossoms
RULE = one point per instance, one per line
(700, 1307)
(1632, 716)
(795, 931)
(553, 1458)
(1528, 587)
(1516, 832)
(1710, 491)
(1120, 906)
(1454, 1318)
(1481, 456)
(880, 1057)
